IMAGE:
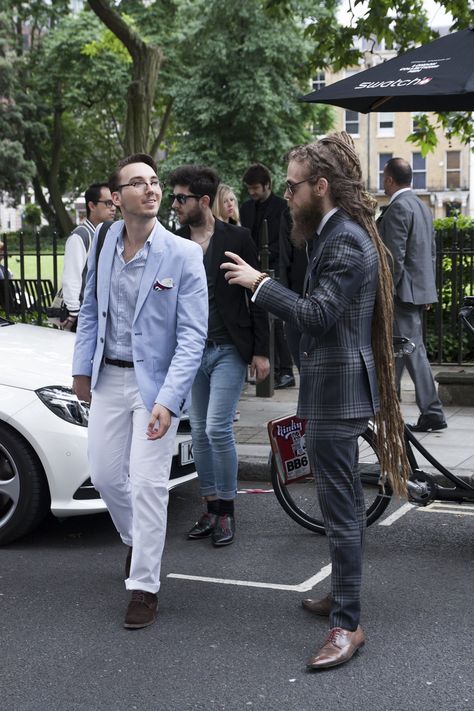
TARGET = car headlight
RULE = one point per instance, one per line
(64, 404)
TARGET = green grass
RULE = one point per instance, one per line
(31, 271)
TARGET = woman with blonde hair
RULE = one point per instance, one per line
(225, 205)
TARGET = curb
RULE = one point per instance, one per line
(259, 470)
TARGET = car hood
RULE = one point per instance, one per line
(32, 357)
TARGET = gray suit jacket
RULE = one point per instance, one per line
(406, 228)
(338, 379)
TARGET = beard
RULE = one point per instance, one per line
(194, 218)
(306, 219)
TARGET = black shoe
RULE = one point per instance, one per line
(204, 527)
(285, 381)
(224, 530)
(428, 423)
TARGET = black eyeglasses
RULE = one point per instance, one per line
(140, 185)
(182, 198)
(107, 203)
(290, 187)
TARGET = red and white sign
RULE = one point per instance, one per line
(287, 439)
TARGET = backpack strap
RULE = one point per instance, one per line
(85, 235)
(100, 243)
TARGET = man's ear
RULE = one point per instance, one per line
(115, 195)
(321, 187)
(205, 201)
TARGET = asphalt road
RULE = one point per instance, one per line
(233, 646)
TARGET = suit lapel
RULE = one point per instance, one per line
(152, 265)
(319, 242)
(218, 249)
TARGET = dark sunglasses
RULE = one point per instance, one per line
(182, 198)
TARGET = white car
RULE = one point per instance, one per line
(43, 433)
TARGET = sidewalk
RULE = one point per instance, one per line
(453, 447)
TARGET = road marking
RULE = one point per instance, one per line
(443, 507)
(396, 515)
(301, 587)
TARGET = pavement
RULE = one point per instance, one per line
(453, 447)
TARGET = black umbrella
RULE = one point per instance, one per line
(438, 76)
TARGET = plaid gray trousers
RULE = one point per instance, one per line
(333, 452)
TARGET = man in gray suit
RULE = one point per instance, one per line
(406, 228)
(347, 294)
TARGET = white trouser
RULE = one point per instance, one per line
(130, 471)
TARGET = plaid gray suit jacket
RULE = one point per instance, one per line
(338, 379)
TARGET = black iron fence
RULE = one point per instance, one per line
(35, 263)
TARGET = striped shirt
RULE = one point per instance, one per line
(124, 288)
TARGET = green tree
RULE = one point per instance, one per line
(64, 92)
(236, 95)
(402, 25)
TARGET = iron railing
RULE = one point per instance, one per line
(445, 340)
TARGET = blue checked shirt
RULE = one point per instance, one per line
(124, 288)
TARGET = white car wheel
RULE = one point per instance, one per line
(24, 499)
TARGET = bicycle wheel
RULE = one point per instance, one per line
(300, 501)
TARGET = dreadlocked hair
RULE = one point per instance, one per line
(334, 158)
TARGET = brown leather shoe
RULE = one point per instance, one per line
(141, 610)
(320, 607)
(339, 646)
(128, 562)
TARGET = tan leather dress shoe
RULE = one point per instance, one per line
(320, 607)
(339, 646)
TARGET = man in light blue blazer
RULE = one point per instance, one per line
(141, 333)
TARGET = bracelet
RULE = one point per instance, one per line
(258, 281)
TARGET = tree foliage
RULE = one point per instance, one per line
(236, 95)
(401, 25)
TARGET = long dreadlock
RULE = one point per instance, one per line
(334, 157)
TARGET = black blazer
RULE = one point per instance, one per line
(246, 323)
(274, 207)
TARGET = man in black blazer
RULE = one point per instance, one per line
(266, 207)
(339, 385)
(238, 335)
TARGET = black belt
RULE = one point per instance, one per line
(119, 363)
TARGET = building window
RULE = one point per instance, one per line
(453, 170)
(419, 171)
(415, 122)
(319, 81)
(385, 124)
(383, 160)
(352, 122)
(452, 208)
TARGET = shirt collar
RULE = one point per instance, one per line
(399, 192)
(326, 217)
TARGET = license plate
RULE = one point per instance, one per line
(186, 452)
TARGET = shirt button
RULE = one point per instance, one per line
(101, 340)
(104, 313)
(305, 353)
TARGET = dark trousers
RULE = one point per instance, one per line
(333, 452)
(283, 362)
(409, 323)
(293, 338)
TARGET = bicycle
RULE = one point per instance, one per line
(294, 485)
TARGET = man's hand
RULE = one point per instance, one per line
(68, 323)
(81, 386)
(239, 273)
(162, 415)
(259, 367)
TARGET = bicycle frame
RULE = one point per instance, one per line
(422, 487)
(431, 490)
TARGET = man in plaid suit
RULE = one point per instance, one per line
(338, 390)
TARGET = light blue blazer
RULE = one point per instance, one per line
(169, 326)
